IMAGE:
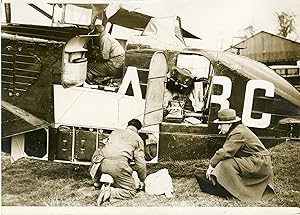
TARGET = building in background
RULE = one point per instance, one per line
(281, 54)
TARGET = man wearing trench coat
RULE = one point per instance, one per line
(242, 167)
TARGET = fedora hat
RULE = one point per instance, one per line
(227, 116)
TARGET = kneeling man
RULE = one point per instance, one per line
(124, 146)
(242, 167)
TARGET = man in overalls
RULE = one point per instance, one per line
(110, 60)
(124, 146)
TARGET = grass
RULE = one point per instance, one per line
(29, 182)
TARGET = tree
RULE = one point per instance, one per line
(286, 23)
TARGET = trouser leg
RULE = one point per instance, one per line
(124, 185)
(98, 70)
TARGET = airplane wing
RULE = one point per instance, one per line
(15, 120)
(134, 20)
(125, 18)
(117, 14)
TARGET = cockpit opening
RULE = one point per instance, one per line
(187, 90)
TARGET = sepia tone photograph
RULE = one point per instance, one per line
(150, 107)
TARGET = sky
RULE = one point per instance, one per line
(219, 23)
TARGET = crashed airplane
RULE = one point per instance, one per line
(50, 113)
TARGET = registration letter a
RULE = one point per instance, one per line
(131, 76)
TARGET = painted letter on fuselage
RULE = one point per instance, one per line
(251, 86)
(131, 76)
(223, 98)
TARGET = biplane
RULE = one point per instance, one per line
(50, 113)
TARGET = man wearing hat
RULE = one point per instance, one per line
(242, 167)
(110, 60)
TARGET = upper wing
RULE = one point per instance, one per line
(134, 20)
(119, 15)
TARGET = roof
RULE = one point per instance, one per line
(262, 32)
(268, 48)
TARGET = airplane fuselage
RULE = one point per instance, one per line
(79, 118)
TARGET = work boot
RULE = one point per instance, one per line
(107, 193)
(104, 195)
(101, 195)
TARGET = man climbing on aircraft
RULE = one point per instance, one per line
(242, 167)
(124, 146)
(110, 60)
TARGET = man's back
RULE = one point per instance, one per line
(250, 142)
(110, 47)
(122, 143)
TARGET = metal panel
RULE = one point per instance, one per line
(85, 104)
(187, 142)
(19, 71)
(155, 89)
(180, 146)
(36, 143)
(27, 75)
(50, 33)
(85, 144)
(64, 143)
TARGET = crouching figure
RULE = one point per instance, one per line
(124, 146)
(242, 167)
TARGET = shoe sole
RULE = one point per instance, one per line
(101, 195)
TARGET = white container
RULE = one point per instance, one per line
(74, 74)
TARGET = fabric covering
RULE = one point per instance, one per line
(159, 183)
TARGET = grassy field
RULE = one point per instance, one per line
(29, 182)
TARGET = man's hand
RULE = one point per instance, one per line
(209, 171)
(208, 174)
